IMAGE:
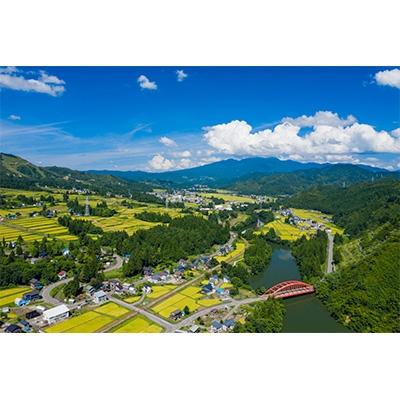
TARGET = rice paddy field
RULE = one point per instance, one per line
(160, 290)
(189, 296)
(131, 299)
(239, 250)
(8, 296)
(318, 217)
(229, 197)
(284, 230)
(90, 321)
(138, 324)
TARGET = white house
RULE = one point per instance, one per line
(56, 314)
(100, 297)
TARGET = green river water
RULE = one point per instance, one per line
(304, 313)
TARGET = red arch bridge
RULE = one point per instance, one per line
(286, 289)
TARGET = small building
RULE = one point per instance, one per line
(35, 284)
(33, 295)
(56, 314)
(100, 297)
(206, 289)
(90, 290)
(20, 302)
(229, 324)
(66, 252)
(146, 289)
(177, 314)
(12, 328)
(216, 326)
(62, 275)
(32, 314)
(194, 329)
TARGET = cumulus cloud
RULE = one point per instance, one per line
(15, 79)
(321, 118)
(183, 154)
(166, 141)
(145, 83)
(331, 139)
(389, 77)
(14, 117)
(181, 75)
(160, 163)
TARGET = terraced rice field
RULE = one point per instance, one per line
(138, 324)
(34, 228)
(160, 290)
(90, 321)
(240, 247)
(189, 296)
(8, 296)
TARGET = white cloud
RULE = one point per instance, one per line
(14, 117)
(388, 78)
(14, 79)
(145, 83)
(181, 75)
(160, 163)
(44, 77)
(334, 142)
(183, 154)
(395, 133)
(167, 141)
(321, 118)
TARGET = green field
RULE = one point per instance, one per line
(138, 324)
(8, 296)
(89, 321)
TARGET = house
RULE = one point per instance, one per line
(25, 326)
(32, 314)
(216, 326)
(175, 315)
(229, 324)
(20, 302)
(33, 295)
(194, 329)
(66, 252)
(146, 289)
(62, 275)
(100, 297)
(56, 314)
(35, 284)
(90, 290)
(13, 329)
(207, 289)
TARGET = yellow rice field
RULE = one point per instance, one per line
(138, 324)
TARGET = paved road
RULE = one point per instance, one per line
(152, 317)
(47, 289)
(329, 267)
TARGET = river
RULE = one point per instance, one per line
(303, 313)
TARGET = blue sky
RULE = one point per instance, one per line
(160, 118)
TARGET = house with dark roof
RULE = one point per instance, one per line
(216, 326)
(229, 324)
(32, 314)
(13, 329)
(175, 315)
(33, 295)
(207, 289)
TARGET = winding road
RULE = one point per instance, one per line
(46, 291)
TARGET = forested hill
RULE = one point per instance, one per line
(358, 207)
(364, 292)
(18, 173)
(293, 182)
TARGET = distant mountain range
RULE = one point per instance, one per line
(15, 172)
(251, 175)
(259, 175)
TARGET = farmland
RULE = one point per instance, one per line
(240, 247)
(138, 324)
(189, 296)
(318, 217)
(7, 296)
(228, 197)
(284, 230)
(89, 321)
(160, 290)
